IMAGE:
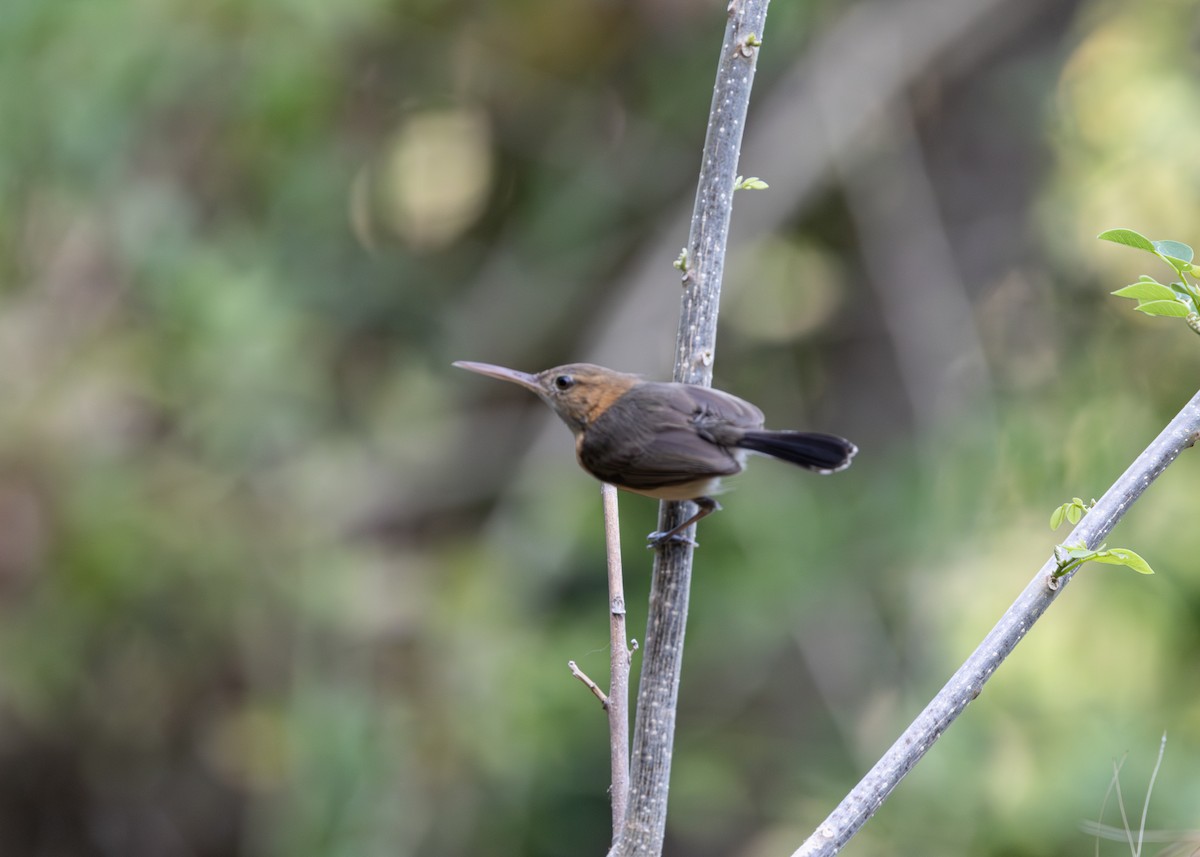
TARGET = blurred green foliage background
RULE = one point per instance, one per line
(276, 580)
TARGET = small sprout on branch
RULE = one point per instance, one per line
(681, 264)
(1071, 557)
(1179, 299)
(752, 183)
(747, 45)
(1072, 512)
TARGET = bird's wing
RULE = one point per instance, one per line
(658, 435)
(721, 418)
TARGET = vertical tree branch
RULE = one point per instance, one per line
(704, 262)
(968, 681)
(619, 662)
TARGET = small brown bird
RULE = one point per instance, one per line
(670, 441)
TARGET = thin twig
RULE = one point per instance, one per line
(1162, 748)
(591, 685)
(654, 730)
(620, 658)
(967, 683)
(1112, 783)
(1133, 849)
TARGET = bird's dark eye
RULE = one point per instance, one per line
(563, 383)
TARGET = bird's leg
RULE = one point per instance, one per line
(705, 507)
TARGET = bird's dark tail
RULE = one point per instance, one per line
(824, 453)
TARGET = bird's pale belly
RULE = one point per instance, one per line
(686, 491)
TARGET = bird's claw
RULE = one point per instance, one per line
(657, 539)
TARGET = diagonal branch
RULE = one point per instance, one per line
(704, 263)
(968, 681)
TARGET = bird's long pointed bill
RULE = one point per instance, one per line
(526, 380)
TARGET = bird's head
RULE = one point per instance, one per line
(578, 392)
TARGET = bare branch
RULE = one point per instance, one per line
(620, 658)
(658, 690)
(591, 685)
(967, 683)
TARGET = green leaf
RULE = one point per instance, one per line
(1082, 552)
(1178, 264)
(1173, 309)
(1125, 557)
(1056, 517)
(1074, 513)
(1129, 238)
(1176, 250)
(751, 183)
(1143, 291)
